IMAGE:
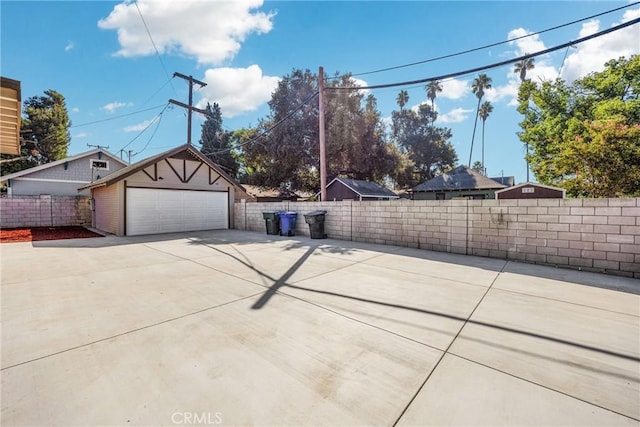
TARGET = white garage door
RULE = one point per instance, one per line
(151, 211)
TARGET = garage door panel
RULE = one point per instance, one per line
(151, 210)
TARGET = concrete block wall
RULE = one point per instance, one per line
(601, 235)
(44, 211)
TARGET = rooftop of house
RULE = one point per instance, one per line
(460, 178)
(365, 188)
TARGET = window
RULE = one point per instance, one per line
(528, 189)
(99, 164)
(440, 196)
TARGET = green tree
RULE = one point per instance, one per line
(287, 156)
(48, 120)
(46, 128)
(402, 99)
(477, 166)
(216, 143)
(485, 110)
(433, 88)
(479, 85)
(522, 67)
(427, 146)
(584, 136)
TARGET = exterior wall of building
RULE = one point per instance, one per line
(601, 235)
(538, 193)
(78, 170)
(337, 192)
(44, 211)
(62, 181)
(31, 187)
(431, 195)
(108, 202)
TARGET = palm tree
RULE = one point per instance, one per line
(522, 67)
(402, 99)
(433, 88)
(485, 110)
(478, 87)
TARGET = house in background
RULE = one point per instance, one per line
(262, 194)
(509, 181)
(10, 111)
(353, 189)
(461, 182)
(531, 190)
(178, 190)
(63, 177)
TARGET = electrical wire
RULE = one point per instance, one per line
(146, 127)
(268, 130)
(117, 117)
(494, 65)
(492, 44)
(152, 135)
(153, 43)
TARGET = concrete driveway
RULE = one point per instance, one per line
(240, 328)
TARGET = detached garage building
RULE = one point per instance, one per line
(531, 190)
(178, 190)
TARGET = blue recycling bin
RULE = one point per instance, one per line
(288, 223)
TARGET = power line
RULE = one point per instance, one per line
(153, 43)
(152, 135)
(146, 127)
(492, 44)
(117, 117)
(494, 65)
(268, 130)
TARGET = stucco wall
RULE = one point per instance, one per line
(592, 234)
(44, 211)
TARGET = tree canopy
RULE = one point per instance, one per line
(585, 136)
(427, 146)
(216, 143)
(46, 128)
(288, 155)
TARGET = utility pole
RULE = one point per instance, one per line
(128, 155)
(323, 160)
(99, 147)
(190, 108)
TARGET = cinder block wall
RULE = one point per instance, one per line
(44, 211)
(600, 235)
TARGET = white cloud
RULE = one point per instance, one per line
(140, 126)
(81, 135)
(455, 89)
(498, 93)
(210, 31)
(69, 46)
(75, 110)
(237, 90)
(456, 115)
(525, 45)
(360, 82)
(113, 106)
(591, 55)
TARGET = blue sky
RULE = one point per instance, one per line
(99, 56)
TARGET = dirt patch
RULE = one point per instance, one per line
(33, 234)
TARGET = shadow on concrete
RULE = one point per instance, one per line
(332, 246)
(280, 284)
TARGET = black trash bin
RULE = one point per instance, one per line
(315, 220)
(272, 222)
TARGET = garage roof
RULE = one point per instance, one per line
(187, 149)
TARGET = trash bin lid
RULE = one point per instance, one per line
(315, 213)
